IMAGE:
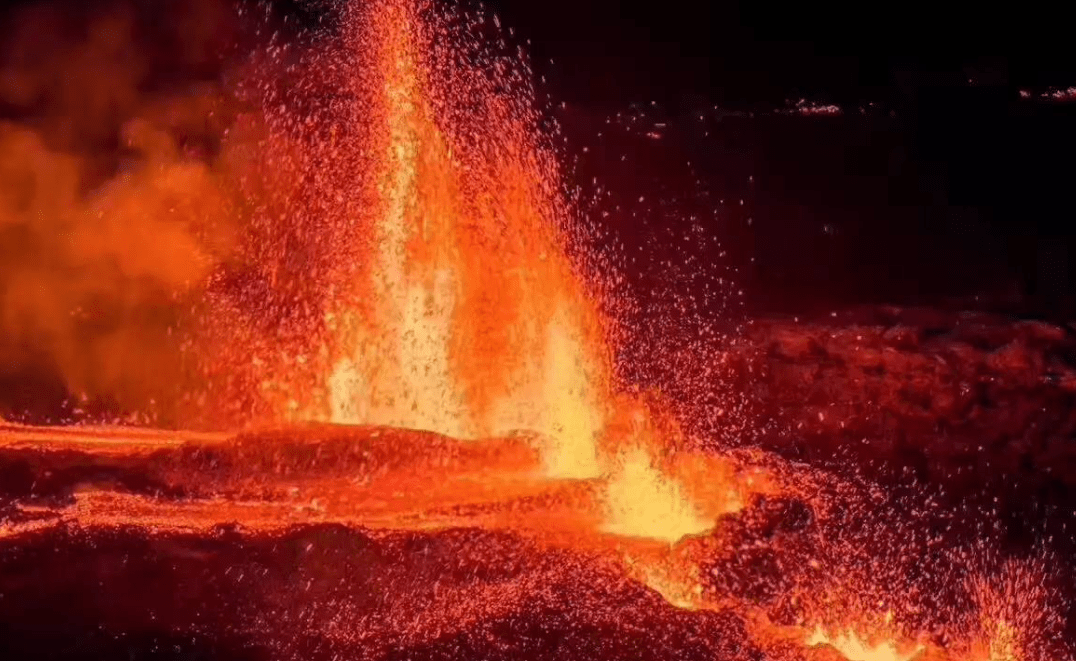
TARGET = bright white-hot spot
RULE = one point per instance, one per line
(643, 502)
(855, 648)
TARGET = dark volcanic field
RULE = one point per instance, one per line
(966, 420)
(328, 592)
(976, 407)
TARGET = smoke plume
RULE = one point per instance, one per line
(120, 199)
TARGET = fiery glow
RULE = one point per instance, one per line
(1004, 643)
(855, 648)
(469, 321)
(643, 502)
(408, 269)
(1012, 601)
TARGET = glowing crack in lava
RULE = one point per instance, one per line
(462, 358)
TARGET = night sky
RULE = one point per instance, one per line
(949, 188)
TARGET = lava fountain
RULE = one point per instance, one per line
(463, 355)
(467, 318)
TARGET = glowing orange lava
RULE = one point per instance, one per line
(469, 320)
(461, 373)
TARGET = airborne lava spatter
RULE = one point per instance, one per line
(443, 302)
(454, 308)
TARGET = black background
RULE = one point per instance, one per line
(950, 190)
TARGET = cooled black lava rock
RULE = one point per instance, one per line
(330, 592)
(979, 410)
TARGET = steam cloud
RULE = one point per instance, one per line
(121, 151)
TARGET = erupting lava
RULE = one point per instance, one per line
(475, 324)
(456, 309)
(454, 369)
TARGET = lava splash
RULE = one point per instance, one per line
(437, 459)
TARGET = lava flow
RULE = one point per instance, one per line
(438, 459)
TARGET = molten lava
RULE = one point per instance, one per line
(468, 321)
(453, 369)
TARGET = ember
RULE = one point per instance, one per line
(404, 431)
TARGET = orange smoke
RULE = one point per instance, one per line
(374, 231)
(113, 209)
(157, 250)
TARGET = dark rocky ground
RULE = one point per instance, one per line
(329, 592)
(977, 409)
(965, 419)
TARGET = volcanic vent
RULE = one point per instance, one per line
(386, 415)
